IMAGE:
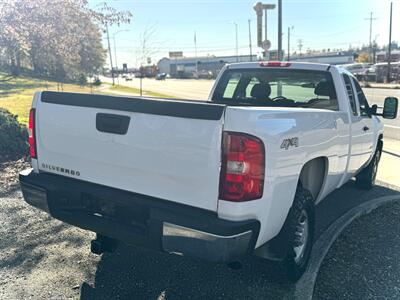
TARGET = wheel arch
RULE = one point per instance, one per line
(276, 248)
(313, 175)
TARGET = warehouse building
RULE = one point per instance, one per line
(332, 58)
(202, 67)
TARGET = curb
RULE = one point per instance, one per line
(304, 288)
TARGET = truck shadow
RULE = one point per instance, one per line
(132, 273)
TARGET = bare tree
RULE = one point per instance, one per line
(148, 45)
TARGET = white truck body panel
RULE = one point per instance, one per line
(160, 156)
(179, 159)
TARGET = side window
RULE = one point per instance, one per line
(350, 94)
(231, 86)
(364, 107)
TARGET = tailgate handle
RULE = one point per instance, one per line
(112, 123)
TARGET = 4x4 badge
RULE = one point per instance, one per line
(289, 143)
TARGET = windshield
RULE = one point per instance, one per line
(277, 87)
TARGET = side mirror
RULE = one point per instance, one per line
(374, 109)
(390, 108)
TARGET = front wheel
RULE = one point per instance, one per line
(367, 177)
(300, 228)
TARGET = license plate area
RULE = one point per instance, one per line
(136, 216)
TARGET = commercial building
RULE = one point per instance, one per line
(204, 66)
(333, 58)
(382, 56)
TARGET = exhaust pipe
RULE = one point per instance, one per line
(103, 244)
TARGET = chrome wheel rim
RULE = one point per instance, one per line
(301, 237)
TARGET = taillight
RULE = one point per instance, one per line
(32, 137)
(242, 170)
(275, 64)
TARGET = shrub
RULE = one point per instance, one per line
(13, 137)
(82, 80)
(97, 82)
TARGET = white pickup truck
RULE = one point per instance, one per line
(237, 174)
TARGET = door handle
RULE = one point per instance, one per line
(365, 128)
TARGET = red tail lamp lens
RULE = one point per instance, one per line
(32, 137)
(243, 166)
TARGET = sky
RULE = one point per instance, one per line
(320, 24)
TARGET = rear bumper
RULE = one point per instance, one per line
(140, 220)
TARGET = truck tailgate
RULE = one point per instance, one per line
(169, 149)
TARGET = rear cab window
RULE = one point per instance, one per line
(277, 87)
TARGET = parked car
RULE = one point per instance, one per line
(128, 77)
(138, 75)
(240, 174)
(161, 76)
(357, 68)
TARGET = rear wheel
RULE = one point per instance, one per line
(367, 177)
(300, 229)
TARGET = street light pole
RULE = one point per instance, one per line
(251, 54)
(237, 47)
(390, 43)
(280, 30)
(195, 54)
(288, 43)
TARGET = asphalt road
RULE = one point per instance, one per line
(363, 263)
(200, 89)
(42, 258)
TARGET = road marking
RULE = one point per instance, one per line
(391, 126)
(391, 153)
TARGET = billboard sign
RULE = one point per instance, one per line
(175, 54)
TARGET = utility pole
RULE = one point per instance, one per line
(280, 30)
(300, 45)
(115, 53)
(109, 51)
(115, 49)
(288, 43)
(237, 47)
(390, 43)
(195, 52)
(251, 54)
(374, 48)
(370, 32)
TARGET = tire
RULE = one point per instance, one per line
(367, 177)
(300, 234)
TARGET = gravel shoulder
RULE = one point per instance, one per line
(40, 257)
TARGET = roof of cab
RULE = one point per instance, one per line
(284, 64)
